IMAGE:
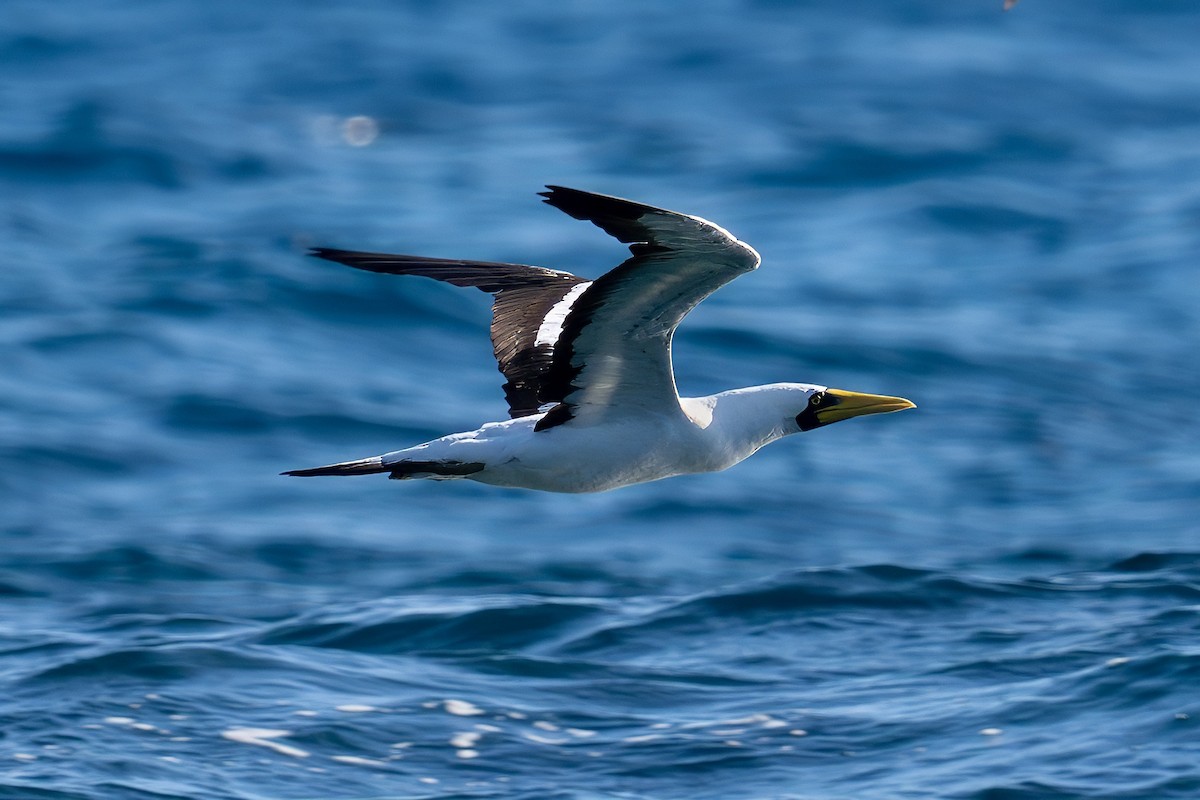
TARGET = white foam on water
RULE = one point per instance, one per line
(644, 737)
(753, 719)
(359, 761)
(262, 737)
(461, 708)
(465, 740)
(356, 708)
(533, 737)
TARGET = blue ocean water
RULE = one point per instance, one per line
(993, 597)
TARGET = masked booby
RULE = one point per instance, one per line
(590, 388)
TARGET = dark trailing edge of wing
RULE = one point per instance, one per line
(455, 469)
(556, 416)
(487, 276)
(523, 296)
(398, 470)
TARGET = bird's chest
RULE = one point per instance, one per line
(601, 457)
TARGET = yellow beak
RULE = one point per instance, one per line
(840, 405)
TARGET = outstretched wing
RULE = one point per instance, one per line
(615, 348)
(526, 313)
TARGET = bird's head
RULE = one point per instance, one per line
(825, 406)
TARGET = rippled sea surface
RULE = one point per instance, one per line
(993, 597)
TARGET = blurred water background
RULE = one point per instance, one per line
(994, 597)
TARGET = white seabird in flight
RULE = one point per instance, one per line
(590, 388)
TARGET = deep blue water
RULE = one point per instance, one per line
(994, 597)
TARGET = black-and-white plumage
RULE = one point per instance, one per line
(589, 381)
(524, 297)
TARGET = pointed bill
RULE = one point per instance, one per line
(845, 405)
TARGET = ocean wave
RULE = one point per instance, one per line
(505, 625)
(168, 662)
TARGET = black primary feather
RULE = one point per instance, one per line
(523, 296)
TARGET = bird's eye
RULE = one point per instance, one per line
(816, 399)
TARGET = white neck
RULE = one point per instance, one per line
(739, 422)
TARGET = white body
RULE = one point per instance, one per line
(704, 434)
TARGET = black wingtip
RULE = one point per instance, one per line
(299, 473)
(602, 209)
(327, 253)
(556, 192)
(552, 190)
